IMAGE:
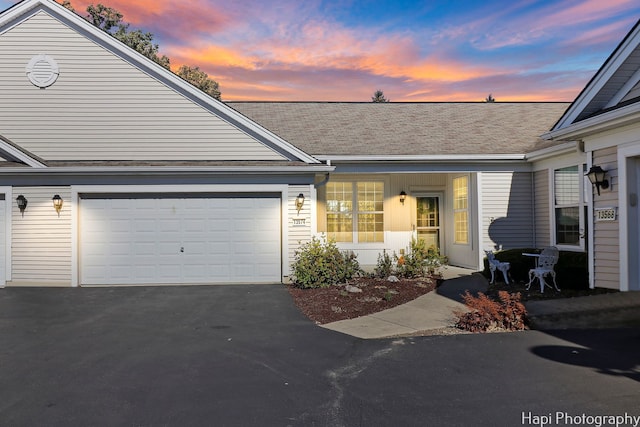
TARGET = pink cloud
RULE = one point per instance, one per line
(291, 51)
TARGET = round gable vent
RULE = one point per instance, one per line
(42, 70)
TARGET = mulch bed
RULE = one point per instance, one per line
(326, 305)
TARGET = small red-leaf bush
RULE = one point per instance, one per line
(485, 314)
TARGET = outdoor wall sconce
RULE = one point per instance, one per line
(597, 176)
(57, 203)
(403, 197)
(22, 203)
(299, 202)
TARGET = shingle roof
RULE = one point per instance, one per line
(362, 129)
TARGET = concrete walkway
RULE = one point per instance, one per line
(433, 312)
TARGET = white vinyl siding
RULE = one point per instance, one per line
(606, 233)
(103, 108)
(507, 207)
(41, 241)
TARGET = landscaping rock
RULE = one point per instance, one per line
(393, 279)
(352, 289)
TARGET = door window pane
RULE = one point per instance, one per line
(428, 220)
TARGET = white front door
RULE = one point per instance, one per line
(182, 240)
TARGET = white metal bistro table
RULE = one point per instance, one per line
(536, 256)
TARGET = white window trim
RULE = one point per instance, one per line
(468, 209)
(581, 205)
(354, 244)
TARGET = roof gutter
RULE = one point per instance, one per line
(435, 158)
(602, 122)
(151, 170)
(563, 148)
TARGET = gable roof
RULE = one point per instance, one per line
(23, 11)
(334, 130)
(613, 94)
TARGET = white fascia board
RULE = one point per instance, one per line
(612, 119)
(556, 150)
(156, 71)
(600, 79)
(20, 155)
(462, 158)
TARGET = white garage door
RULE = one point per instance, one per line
(190, 239)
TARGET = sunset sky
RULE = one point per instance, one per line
(344, 50)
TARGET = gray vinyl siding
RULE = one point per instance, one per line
(507, 208)
(542, 209)
(605, 233)
(41, 241)
(103, 108)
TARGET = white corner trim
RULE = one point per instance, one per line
(8, 205)
(625, 262)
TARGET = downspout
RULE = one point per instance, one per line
(533, 216)
(325, 180)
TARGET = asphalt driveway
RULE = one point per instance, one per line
(244, 356)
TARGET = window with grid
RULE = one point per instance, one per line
(370, 212)
(355, 211)
(566, 190)
(340, 211)
(461, 210)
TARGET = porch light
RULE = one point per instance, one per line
(57, 203)
(299, 202)
(403, 197)
(597, 176)
(22, 203)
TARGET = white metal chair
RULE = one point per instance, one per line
(494, 265)
(545, 266)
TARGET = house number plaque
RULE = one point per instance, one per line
(299, 222)
(606, 214)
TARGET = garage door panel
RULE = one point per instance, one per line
(192, 240)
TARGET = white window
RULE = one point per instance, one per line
(461, 210)
(568, 199)
(355, 211)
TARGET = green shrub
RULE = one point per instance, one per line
(384, 267)
(319, 263)
(486, 314)
(420, 260)
(572, 271)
